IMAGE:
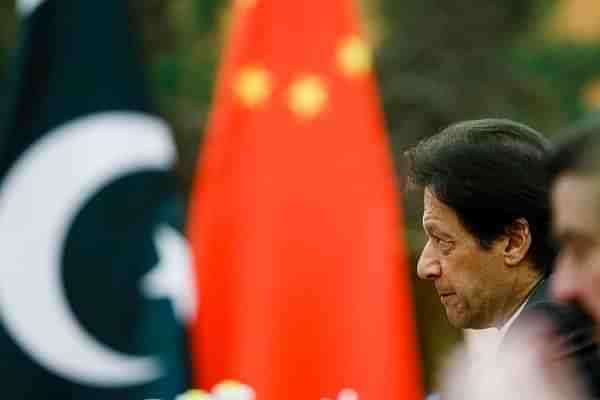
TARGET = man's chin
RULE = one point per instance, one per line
(457, 321)
(462, 320)
(460, 324)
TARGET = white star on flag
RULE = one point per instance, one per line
(172, 277)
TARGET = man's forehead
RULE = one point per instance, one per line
(576, 204)
(436, 213)
(431, 205)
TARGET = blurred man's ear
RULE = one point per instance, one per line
(518, 243)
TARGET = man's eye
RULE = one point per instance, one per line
(442, 244)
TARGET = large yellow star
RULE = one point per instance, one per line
(354, 57)
(307, 96)
(253, 86)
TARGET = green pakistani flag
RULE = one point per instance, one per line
(95, 285)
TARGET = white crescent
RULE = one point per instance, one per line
(39, 199)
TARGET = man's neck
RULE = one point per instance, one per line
(522, 295)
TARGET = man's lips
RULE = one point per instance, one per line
(446, 295)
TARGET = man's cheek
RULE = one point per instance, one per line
(454, 305)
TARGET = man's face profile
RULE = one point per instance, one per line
(467, 278)
(576, 213)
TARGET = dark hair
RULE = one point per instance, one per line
(490, 172)
(577, 149)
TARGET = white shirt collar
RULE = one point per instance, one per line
(483, 343)
(512, 319)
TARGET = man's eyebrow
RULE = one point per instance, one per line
(433, 229)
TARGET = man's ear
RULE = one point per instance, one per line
(518, 243)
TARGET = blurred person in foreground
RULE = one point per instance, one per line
(543, 360)
(487, 220)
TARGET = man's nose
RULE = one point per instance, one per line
(428, 266)
(564, 283)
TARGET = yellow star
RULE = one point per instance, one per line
(354, 57)
(253, 86)
(307, 96)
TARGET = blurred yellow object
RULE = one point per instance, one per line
(591, 95)
(233, 390)
(354, 57)
(194, 395)
(577, 19)
(308, 96)
(253, 86)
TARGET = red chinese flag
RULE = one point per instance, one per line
(303, 281)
